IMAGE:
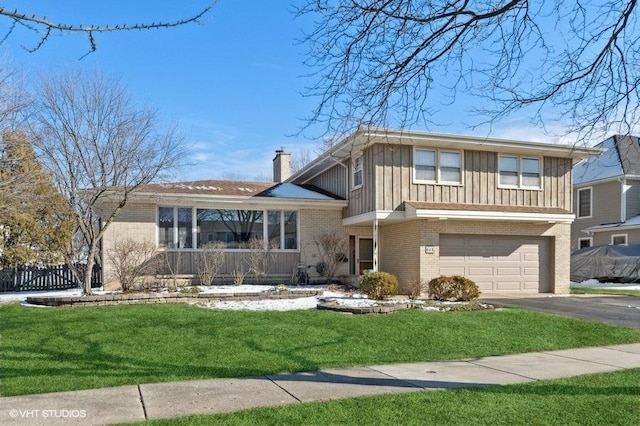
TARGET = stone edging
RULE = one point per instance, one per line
(384, 308)
(151, 298)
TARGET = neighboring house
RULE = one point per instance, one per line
(414, 204)
(607, 194)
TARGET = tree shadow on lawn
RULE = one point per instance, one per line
(48, 366)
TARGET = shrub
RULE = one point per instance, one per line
(378, 285)
(132, 260)
(454, 288)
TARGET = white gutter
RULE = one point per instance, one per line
(413, 213)
(490, 215)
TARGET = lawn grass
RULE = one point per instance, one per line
(594, 290)
(598, 399)
(47, 350)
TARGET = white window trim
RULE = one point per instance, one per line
(626, 240)
(194, 229)
(519, 160)
(438, 180)
(590, 239)
(353, 172)
(590, 188)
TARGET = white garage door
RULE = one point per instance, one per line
(497, 264)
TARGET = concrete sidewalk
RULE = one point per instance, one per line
(174, 399)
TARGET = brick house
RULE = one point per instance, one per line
(414, 204)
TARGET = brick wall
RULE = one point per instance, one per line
(400, 252)
(559, 238)
(134, 221)
(314, 223)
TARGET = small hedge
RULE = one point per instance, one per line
(378, 285)
(453, 288)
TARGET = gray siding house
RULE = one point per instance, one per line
(607, 195)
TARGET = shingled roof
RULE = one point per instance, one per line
(621, 157)
(230, 188)
(211, 187)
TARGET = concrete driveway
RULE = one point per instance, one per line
(616, 310)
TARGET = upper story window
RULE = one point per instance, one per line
(584, 203)
(520, 172)
(434, 166)
(357, 172)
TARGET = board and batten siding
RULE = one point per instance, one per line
(394, 177)
(334, 180)
(362, 200)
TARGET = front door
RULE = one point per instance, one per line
(365, 254)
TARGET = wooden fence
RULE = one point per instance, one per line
(28, 278)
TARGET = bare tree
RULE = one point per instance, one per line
(44, 27)
(381, 61)
(131, 261)
(98, 147)
(209, 261)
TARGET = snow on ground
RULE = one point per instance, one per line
(345, 298)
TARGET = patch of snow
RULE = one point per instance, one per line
(265, 305)
(225, 289)
(290, 190)
(21, 296)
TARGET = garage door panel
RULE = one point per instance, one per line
(453, 271)
(513, 285)
(497, 263)
(531, 272)
(480, 271)
(508, 243)
(479, 242)
(501, 271)
(513, 257)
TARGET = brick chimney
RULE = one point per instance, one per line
(281, 165)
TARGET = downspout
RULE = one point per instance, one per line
(375, 245)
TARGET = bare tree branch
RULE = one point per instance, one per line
(377, 62)
(44, 27)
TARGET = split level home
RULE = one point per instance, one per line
(607, 194)
(414, 204)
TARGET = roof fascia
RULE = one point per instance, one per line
(205, 199)
(365, 137)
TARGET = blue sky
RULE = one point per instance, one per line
(233, 84)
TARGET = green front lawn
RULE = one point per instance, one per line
(595, 290)
(599, 399)
(47, 350)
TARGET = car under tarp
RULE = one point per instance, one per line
(611, 263)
